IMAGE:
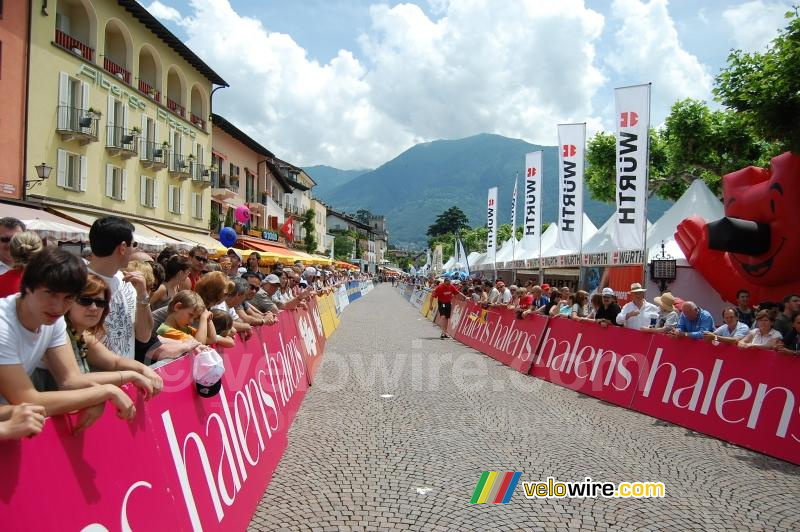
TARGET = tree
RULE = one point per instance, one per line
(765, 87)
(308, 226)
(449, 221)
(229, 217)
(342, 246)
(363, 216)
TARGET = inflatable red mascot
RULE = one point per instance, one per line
(756, 246)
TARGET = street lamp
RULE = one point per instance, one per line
(43, 171)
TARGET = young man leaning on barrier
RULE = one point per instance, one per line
(33, 332)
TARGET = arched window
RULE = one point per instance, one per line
(176, 98)
(118, 51)
(199, 107)
(76, 28)
(150, 73)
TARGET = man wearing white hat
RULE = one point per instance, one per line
(637, 313)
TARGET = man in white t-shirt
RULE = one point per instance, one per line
(129, 315)
(9, 227)
(32, 330)
(637, 313)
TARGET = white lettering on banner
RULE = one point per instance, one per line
(134, 101)
(491, 214)
(572, 356)
(489, 329)
(719, 396)
(308, 335)
(317, 321)
(633, 111)
(255, 411)
(531, 239)
(572, 140)
(123, 517)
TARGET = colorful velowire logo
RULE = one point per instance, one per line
(495, 487)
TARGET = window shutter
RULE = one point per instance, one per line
(110, 122)
(125, 118)
(180, 200)
(171, 198)
(194, 204)
(61, 170)
(83, 173)
(143, 137)
(124, 185)
(143, 190)
(109, 180)
(85, 96)
(64, 111)
(155, 193)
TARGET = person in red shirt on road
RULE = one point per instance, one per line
(444, 294)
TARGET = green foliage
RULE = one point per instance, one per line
(765, 87)
(308, 226)
(449, 221)
(213, 222)
(342, 246)
(229, 217)
(363, 215)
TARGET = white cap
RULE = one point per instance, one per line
(607, 291)
(207, 370)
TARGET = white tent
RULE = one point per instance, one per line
(698, 199)
(476, 263)
(506, 251)
(603, 239)
(527, 248)
(449, 264)
(589, 230)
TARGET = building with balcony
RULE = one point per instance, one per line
(320, 225)
(244, 173)
(299, 200)
(119, 109)
(380, 229)
(366, 248)
(13, 87)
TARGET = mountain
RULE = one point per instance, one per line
(328, 178)
(420, 183)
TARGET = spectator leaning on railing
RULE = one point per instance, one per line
(763, 335)
(791, 340)
(637, 313)
(731, 332)
(609, 309)
(667, 316)
(693, 322)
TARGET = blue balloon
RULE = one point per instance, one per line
(227, 237)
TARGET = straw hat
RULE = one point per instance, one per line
(636, 287)
(665, 301)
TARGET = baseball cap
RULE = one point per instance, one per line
(545, 287)
(607, 291)
(241, 270)
(207, 371)
(303, 283)
(272, 279)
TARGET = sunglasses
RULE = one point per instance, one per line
(253, 287)
(201, 259)
(86, 301)
(5, 239)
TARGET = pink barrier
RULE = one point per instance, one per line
(310, 330)
(184, 463)
(747, 397)
(498, 333)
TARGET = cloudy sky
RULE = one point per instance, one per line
(353, 83)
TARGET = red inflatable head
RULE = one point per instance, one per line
(770, 199)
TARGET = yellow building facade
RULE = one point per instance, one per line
(119, 108)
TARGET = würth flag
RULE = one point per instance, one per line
(288, 229)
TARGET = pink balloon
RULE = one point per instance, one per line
(242, 214)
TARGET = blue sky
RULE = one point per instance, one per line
(354, 83)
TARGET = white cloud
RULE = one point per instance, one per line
(516, 69)
(164, 12)
(754, 24)
(647, 49)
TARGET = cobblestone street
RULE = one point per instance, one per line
(399, 426)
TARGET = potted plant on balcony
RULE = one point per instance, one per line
(161, 152)
(188, 161)
(94, 113)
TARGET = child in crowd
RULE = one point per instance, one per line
(186, 308)
(223, 323)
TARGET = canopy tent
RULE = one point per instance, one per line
(191, 239)
(698, 199)
(510, 247)
(589, 230)
(528, 244)
(472, 258)
(58, 231)
(449, 264)
(601, 247)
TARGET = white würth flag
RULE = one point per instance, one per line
(491, 223)
(571, 149)
(633, 125)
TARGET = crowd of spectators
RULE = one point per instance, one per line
(73, 329)
(770, 326)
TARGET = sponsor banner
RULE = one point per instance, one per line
(184, 462)
(329, 309)
(614, 258)
(582, 356)
(354, 291)
(572, 143)
(417, 298)
(618, 278)
(745, 396)
(427, 300)
(533, 201)
(633, 124)
(498, 333)
(491, 224)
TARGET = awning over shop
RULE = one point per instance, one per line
(267, 250)
(149, 240)
(191, 239)
(26, 213)
(58, 231)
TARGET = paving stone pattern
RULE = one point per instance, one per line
(356, 461)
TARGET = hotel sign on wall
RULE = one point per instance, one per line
(135, 101)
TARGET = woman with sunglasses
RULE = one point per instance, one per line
(84, 330)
